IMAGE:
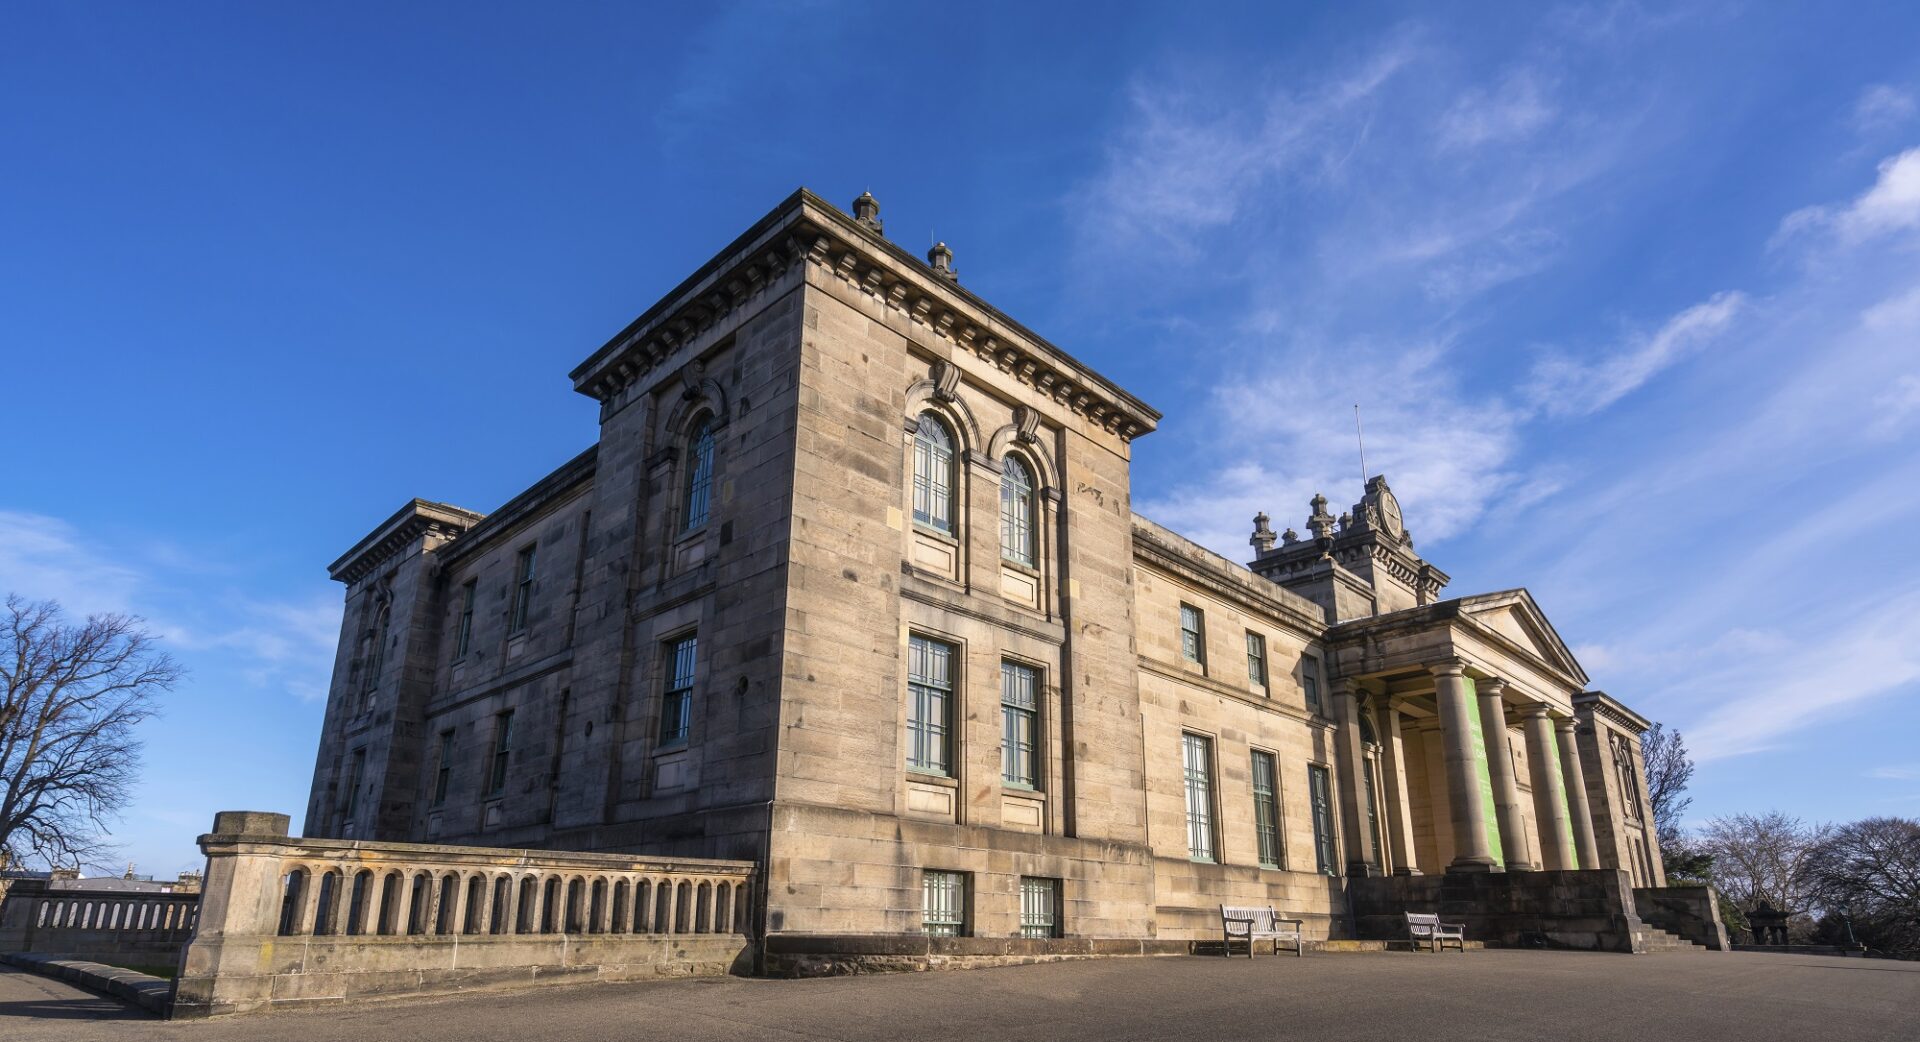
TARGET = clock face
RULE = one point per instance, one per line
(1390, 513)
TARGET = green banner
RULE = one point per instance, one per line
(1492, 813)
(1566, 803)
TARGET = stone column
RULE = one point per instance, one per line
(1575, 780)
(1471, 851)
(1393, 764)
(374, 906)
(1351, 760)
(1549, 803)
(1506, 789)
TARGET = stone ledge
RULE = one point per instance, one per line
(136, 989)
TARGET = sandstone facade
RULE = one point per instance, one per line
(846, 533)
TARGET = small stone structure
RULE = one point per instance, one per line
(300, 922)
(1691, 912)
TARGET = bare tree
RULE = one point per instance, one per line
(1869, 870)
(1669, 769)
(1763, 857)
(70, 700)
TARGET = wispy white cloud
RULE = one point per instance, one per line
(1563, 386)
(1881, 107)
(1515, 108)
(1902, 772)
(1890, 206)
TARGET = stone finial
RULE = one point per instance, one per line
(1320, 523)
(866, 213)
(1289, 537)
(1262, 540)
(941, 259)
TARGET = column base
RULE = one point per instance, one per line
(1462, 865)
(1406, 871)
(1363, 870)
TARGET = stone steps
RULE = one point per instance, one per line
(1654, 939)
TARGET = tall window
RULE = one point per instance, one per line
(443, 772)
(376, 653)
(502, 749)
(1019, 714)
(676, 709)
(1193, 635)
(463, 633)
(943, 900)
(699, 475)
(522, 590)
(929, 705)
(932, 474)
(1039, 907)
(1266, 808)
(1257, 659)
(1198, 754)
(1310, 681)
(350, 796)
(1016, 511)
(1319, 790)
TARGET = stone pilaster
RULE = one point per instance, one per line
(1472, 852)
(1550, 808)
(1352, 761)
(1574, 778)
(1506, 790)
(1393, 761)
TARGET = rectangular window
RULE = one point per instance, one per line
(1020, 719)
(463, 633)
(1193, 634)
(502, 749)
(929, 705)
(443, 773)
(1266, 808)
(1198, 754)
(944, 903)
(350, 795)
(676, 708)
(1310, 681)
(1319, 788)
(522, 590)
(1039, 907)
(1256, 659)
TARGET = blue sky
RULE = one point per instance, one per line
(1630, 297)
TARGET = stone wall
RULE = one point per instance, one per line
(1692, 912)
(1588, 910)
(148, 928)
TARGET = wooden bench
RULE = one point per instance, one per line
(1422, 926)
(1250, 923)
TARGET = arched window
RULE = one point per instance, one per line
(1016, 511)
(699, 474)
(932, 474)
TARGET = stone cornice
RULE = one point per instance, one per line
(1154, 546)
(418, 518)
(1610, 709)
(807, 229)
(527, 504)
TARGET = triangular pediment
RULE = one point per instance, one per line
(1513, 616)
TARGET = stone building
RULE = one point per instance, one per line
(850, 585)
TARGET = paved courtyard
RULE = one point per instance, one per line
(1483, 995)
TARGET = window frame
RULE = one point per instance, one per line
(500, 753)
(1326, 855)
(1032, 926)
(923, 484)
(1193, 641)
(1202, 819)
(1270, 834)
(676, 692)
(463, 626)
(955, 919)
(1257, 660)
(524, 571)
(1019, 529)
(1012, 713)
(922, 689)
(1310, 678)
(443, 771)
(696, 493)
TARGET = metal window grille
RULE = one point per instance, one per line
(1318, 787)
(1039, 907)
(676, 708)
(1266, 808)
(522, 591)
(699, 476)
(1016, 511)
(1257, 658)
(1020, 716)
(1192, 640)
(502, 747)
(443, 774)
(932, 474)
(463, 636)
(929, 701)
(944, 903)
(1198, 754)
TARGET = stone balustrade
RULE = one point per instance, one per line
(290, 920)
(82, 921)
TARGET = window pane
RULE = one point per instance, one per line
(522, 591)
(1318, 790)
(1016, 511)
(1039, 907)
(1019, 710)
(502, 748)
(1257, 658)
(943, 899)
(1198, 754)
(464, 639)
(699, 475)
(1192, 646)
(1310, 681)
(676, 707)
(932, 474)
(929, 691)
(1266, 808)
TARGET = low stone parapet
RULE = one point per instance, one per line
(148, 927)
(289, 921)
(1587, 909)
(838, 955)
(1692, 912)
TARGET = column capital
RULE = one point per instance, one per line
(1565, 724)
(1536, 710)
(1451, 667)
(1491, 686)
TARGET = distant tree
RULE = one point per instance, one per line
(1869, 872)
(1669, 769)
(1762, 857)
(71, 697)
